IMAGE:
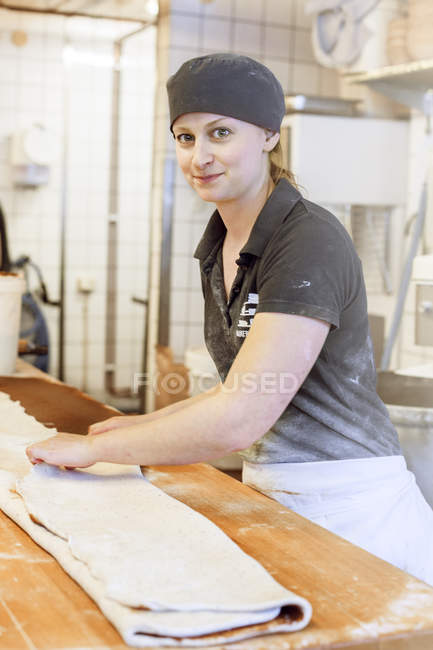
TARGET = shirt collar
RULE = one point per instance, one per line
(278, 205)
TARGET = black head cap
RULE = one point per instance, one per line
(227, 84)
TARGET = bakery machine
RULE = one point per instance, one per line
(34, 336)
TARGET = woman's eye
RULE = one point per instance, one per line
(221, 132)
(184, 138)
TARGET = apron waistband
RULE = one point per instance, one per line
(322, 476)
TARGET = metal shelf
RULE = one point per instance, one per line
(406, 83)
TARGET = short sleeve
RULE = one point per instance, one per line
(308, 269)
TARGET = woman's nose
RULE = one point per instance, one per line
(202, 154)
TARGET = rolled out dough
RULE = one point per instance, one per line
(149, 549)
(130, 545)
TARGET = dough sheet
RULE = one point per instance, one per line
(129, 545)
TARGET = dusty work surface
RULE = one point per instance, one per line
(59, 405)
(359, 602)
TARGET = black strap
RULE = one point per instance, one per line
(5, 261)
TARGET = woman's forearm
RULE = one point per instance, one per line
(200, 431)
(230, 419)
(206, 429)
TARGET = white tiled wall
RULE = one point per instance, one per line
(274, 32)
(32, 87)
(73, 99)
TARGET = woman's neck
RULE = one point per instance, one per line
(240, 215)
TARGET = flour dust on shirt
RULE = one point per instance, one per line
(299, 259)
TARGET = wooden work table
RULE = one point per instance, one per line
(359, 602)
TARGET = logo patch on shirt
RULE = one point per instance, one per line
(247, 314)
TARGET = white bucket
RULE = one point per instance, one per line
(202, 371)
(11, 289)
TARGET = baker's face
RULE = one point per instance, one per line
(222, 158)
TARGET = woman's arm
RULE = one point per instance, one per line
(274, 360)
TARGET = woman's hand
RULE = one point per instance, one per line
(116, 422)
(65, 449)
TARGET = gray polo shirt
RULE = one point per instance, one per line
(299, 259)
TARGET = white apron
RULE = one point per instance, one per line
(374, 503)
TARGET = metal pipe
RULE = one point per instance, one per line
(63, 226)
(111, 294)
(69, 14)
(85, 368)
(165, 263)
(112, 248)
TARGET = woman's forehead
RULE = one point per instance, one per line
(191, 120)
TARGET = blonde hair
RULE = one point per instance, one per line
(277, 170)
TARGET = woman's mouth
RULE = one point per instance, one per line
(203, 180)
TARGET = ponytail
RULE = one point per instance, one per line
(277, 169)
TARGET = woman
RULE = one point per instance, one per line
(286, 323)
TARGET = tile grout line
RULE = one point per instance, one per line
(19, 627)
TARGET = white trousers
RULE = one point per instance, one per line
(374, 503)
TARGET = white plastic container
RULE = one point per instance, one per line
(374, 53)
(11, 289)
(32, 151)
(202, 371)
(202, 376)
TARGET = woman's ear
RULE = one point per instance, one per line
(271, 140)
